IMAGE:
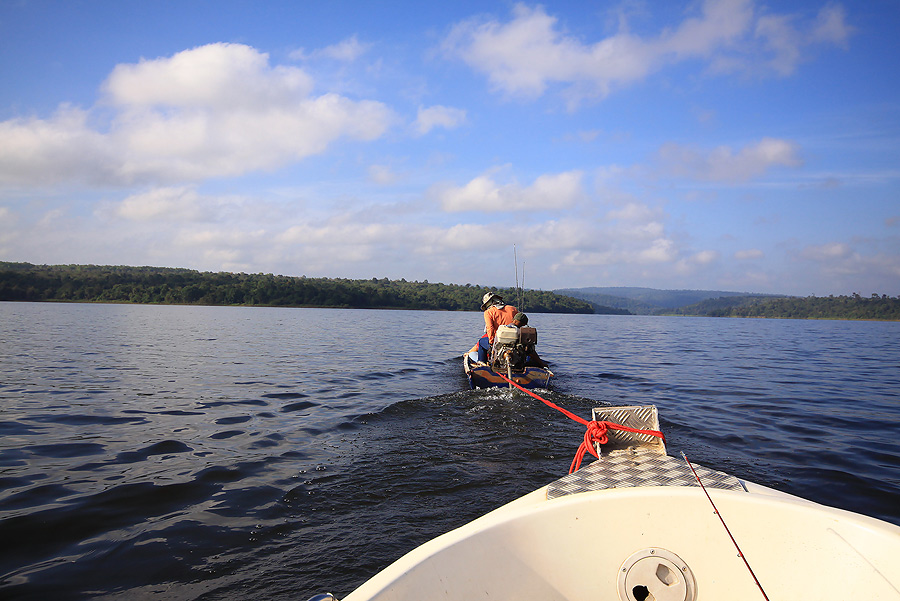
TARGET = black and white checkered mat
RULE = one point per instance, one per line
(642, 468)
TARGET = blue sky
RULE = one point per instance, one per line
(728, 145)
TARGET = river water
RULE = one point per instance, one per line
(166, 452)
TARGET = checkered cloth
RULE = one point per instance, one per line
(642, 468)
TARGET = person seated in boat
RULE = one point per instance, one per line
(532, 359)
(496, 314)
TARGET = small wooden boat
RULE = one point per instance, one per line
(639, 525)
(481, 375)
(513, 357)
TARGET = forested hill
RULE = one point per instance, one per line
(158, 285)
(875, 307)
(716, 303)
(649, 301)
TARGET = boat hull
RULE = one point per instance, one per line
(639, 524)
(535, 549)
(482, 376)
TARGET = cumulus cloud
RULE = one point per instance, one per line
(61, 148)
(353, 242)
(660, 250)
(548, 192)
(525, 55)
(725, 165)
(846, 266)
(216, 110)
(438, 116)
(212, 76)
(632, 235)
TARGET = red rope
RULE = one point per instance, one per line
(596, 431)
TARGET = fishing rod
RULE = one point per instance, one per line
(520, 291)
(523, 286)
(721, 519)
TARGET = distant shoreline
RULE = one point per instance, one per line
(174, 286)
(26, 282)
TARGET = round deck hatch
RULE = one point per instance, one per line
(656, 574)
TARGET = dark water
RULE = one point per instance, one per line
(247, 453)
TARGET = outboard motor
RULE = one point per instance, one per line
(512, 346)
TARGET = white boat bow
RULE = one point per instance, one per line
(636, 525)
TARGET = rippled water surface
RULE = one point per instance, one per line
(223, 453)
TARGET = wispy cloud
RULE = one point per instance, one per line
(347, 50)
(382, 175)
(749, 254)
(723, 164)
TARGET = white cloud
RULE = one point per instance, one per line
(335, 242)
(705, 257)
(217, 110)
(723, 164)
(660, 250)
(196, 145)
(465, 236)
(851, 269)
(525, 55)
(438, 116)
(632, 235)
(382, 175)
(634, 211)
(787, 45)
(548, 192)
(47, 152)
(781, 39)
(163, 204)
(51, 218)
(749, 254)
(827, 252)
(211, 76)
(831, 26)
(347, 50)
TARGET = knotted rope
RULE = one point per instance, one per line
(596, 431)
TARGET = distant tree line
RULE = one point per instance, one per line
(156, 285)
(875, 307)
(606, 309)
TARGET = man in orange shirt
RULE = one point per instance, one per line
(496, 314)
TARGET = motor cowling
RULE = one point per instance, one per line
(512, 346)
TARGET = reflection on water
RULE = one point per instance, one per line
(198, 452)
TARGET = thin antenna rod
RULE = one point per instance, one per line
(523, 286)
(516, 263)
(721, 519)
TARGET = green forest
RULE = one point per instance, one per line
(156, 285)
(874, 307)
(162, 285)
